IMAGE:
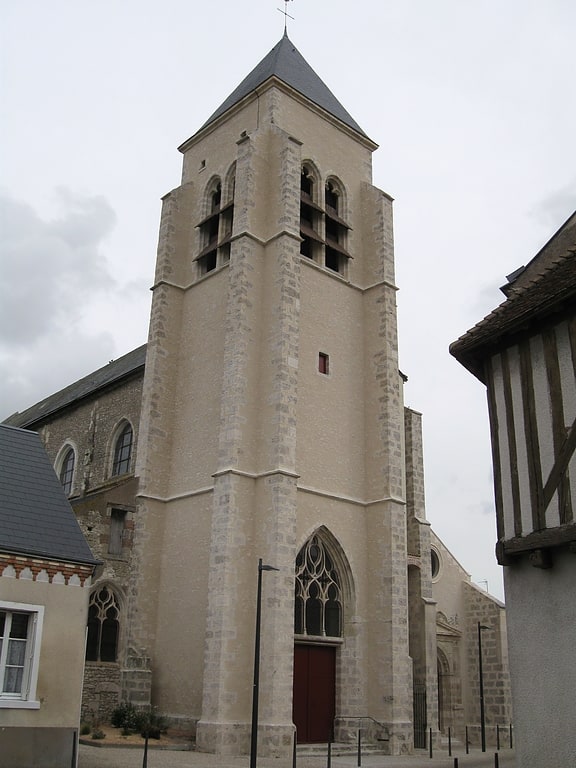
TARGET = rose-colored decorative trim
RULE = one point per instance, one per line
(51, 567)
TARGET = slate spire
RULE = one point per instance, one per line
(287, 64)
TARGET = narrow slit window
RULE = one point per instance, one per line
(323, 363)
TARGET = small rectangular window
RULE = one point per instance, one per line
(323, 363)
(117, 522)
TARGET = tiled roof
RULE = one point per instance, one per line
(35, 516)
(287, 64)
(547, 285)
(103, 377)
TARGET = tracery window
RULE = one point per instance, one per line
(123, 451)
(103, 626)
(318, 594)
(67, 471)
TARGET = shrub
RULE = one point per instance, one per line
(127, 717)
(84, 729)
(142, 721)
(98, 734)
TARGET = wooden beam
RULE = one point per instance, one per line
(512, 449)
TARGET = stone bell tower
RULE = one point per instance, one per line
(273, 427)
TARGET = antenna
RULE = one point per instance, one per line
(286, 14)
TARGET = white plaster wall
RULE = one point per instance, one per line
(61, 665)
(541, 618)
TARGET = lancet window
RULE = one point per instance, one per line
(123, 451)
(67, 471)
(318, 593)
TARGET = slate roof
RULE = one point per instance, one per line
(287, 64)
(114, 372)
(35, 516)
(545, 286)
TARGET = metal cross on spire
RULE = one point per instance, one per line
(286, 14)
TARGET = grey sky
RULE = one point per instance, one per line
(472, 104)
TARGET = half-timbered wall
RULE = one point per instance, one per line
(532, 400)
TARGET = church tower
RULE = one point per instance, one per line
(273, 427)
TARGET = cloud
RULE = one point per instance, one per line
(56, 296)
(50, 268)
(554, 209)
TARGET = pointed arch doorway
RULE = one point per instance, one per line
(317, 628)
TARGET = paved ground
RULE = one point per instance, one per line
(111, 757)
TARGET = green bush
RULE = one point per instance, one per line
(143, 721)
(98, 734)
(84, 729)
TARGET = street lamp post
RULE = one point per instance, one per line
(256, 684)
(482, 714)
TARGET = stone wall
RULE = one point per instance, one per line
(101, 694)
(483, 609)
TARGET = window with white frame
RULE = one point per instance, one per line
(20, 636)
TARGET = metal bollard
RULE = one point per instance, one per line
(455, 762)
(145, 758)
(329, 758)
(498, 737)
(294, 742)
(510, 735)
(449, 742)
(467, 742)
(496, 760)
(359, 763)
(430, 743)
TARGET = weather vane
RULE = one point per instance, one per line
(286, 14)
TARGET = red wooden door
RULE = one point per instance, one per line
(314, 692)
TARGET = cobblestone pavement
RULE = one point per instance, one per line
(111, 757)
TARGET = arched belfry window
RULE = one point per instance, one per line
(336, 256)
(323, 230)
(310, 216)
(216, 227)
(318, 593)
(103, 626)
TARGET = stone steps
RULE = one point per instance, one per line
(340, 749)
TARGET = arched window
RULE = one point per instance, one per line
(103, 626)
(336, 256)
(216, 227)
(318, 594)
(67, 471)
(123, 451)
(310, 215)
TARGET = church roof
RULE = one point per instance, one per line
(35, 515)
(286, 63)
(113, 373)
